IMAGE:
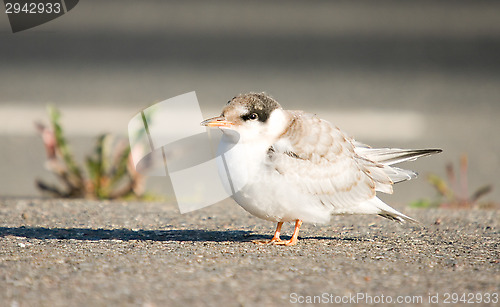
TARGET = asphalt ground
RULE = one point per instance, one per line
(93, 253)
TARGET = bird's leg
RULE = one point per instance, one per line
(295, 235)
(276, 237)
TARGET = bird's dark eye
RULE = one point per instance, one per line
(253, 116)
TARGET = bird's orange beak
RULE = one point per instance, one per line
(219, 121)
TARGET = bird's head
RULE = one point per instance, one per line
(254, 116)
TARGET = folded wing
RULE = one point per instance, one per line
(321, 160)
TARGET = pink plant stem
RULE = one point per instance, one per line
(464, 179)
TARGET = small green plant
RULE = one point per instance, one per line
(454, 192)
(108, 172)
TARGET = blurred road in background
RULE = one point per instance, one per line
(391, 73)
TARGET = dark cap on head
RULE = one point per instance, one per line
(260, 104)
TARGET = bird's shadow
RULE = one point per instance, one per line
(123, 234)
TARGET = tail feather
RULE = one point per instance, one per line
(399, 218)
(390, 156)
(391, 213)
(387, 157)
(398, 174)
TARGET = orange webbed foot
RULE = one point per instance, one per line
(276, 239)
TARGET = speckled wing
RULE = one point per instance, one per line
(321, 160)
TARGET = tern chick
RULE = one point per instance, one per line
(296, 167)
